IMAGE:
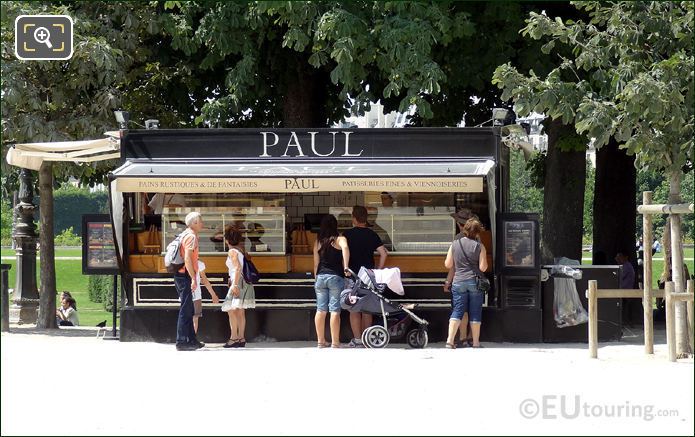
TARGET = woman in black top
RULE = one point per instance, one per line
(331, 258)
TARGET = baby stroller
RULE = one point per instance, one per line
(366, 295)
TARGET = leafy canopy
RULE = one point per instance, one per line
(626, 73)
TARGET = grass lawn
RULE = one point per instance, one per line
(69, 277)
(59, 251)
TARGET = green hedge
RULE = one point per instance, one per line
(70, 203)
(100, 289)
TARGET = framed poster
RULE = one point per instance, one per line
(98, 248)
(519, 243)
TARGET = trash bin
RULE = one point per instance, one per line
(609, 310)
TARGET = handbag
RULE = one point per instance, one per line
(481, 282)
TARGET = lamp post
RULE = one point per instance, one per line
(25, 301)
(122, 117)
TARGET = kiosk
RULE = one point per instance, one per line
(275, 183)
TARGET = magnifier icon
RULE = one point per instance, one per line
(42, 36)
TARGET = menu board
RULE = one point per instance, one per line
(98, 248)
(519, 237)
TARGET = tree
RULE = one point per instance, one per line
(629, 78)
(563, 189)
(67, 100)
(313, 63)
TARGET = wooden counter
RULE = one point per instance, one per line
(305, 263)
(407, 263)
(213, 263)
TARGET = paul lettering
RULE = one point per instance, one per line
(313, 145)
(266, 144)
(271, 139)
(347, 145)
(300, 184)
(293, 136)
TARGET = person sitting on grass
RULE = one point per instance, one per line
(66, 315)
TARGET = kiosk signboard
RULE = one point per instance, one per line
(98, 248)
(519, 244)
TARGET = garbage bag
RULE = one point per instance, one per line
(567, 308)
(563, 271)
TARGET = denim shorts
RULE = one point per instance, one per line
(467, 299)
(328, 288)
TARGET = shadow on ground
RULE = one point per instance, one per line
(63, 331)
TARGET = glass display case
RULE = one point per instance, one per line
(263, 228)
(407, 230)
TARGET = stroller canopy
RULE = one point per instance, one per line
(390, 277)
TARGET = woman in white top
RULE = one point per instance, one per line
(241, 294)
(66, 315)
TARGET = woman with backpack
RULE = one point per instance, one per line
(241, 295)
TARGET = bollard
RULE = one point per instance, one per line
(593, 319)
(4, 288)
(647, 277)
(691, 291)
(670, 321)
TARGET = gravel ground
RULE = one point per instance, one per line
(70, 383)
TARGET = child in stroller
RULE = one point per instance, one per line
(366, 295)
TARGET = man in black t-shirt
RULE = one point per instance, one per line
(363, 242)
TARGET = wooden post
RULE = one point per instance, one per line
(670, 322)
(647, 276)
(593, 319)
(691, 305)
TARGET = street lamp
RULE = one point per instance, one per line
(122, 118)
(151, 124)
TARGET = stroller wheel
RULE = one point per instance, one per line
(364, 338)
(417, 338)
(376, 337)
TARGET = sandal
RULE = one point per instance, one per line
(231, 343)
(323, 345)
(336, 346)
(450, 346)
(480, 346)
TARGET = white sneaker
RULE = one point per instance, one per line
(355, 342)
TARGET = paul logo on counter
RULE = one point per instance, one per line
(301, 184)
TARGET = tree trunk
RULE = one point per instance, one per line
(563, 197)
(681, 314)
(47, 290)
(305, 97)
(615, 205)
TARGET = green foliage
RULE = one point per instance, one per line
(659, 186)
(434, 57)
(97, 288)
(108, 295)
(100, 290)
(70, 203)
(6, 222)
(524, 195)
(626, 73)
(115, 52)
(589, 202)
(536, 169)
(68, 238)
